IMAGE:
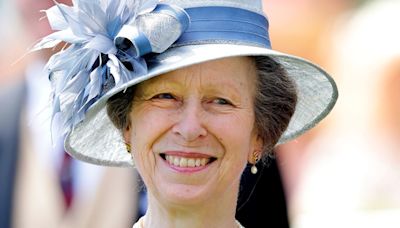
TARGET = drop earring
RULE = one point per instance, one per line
(254, 169)
(128, 147)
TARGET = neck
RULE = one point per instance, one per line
(216, 212)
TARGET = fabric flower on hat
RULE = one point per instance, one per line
(106, 43)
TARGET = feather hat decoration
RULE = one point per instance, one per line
(100, 34)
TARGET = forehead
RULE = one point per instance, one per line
(239, 71)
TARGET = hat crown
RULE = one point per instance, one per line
(251, 5)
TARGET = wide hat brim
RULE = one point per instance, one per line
(96, 140)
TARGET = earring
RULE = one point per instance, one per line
(254, 169)
(128, 147)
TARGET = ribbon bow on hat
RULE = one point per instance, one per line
(107, 41)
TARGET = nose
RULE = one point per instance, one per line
(190, 124)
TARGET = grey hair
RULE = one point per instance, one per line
(274, 103)
(119, 107)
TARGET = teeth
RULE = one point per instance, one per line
(183, 162)
(186, 162)
(176, 161)
(191, 162)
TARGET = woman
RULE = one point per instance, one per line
(190, 88)
(206, 132)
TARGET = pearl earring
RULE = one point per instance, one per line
(254, 169)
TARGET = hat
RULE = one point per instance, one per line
(117, 44)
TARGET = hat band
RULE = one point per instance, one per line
(221, 24)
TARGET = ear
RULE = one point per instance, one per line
(256, 149)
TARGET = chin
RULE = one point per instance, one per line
(187, 195)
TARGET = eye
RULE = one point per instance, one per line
(165, 100)
(221, 101)
(163, 96)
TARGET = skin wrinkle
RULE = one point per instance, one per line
(143, 149)
(274, 103)
(191, 75)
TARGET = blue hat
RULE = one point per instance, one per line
(116, 44)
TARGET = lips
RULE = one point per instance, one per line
(187, 161)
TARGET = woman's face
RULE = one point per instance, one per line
(192, 130)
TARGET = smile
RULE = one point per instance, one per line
(187, 162)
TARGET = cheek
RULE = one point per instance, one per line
(147, 126)
(235, 134)
(143, 155)
(235, 130)
(234, 161)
